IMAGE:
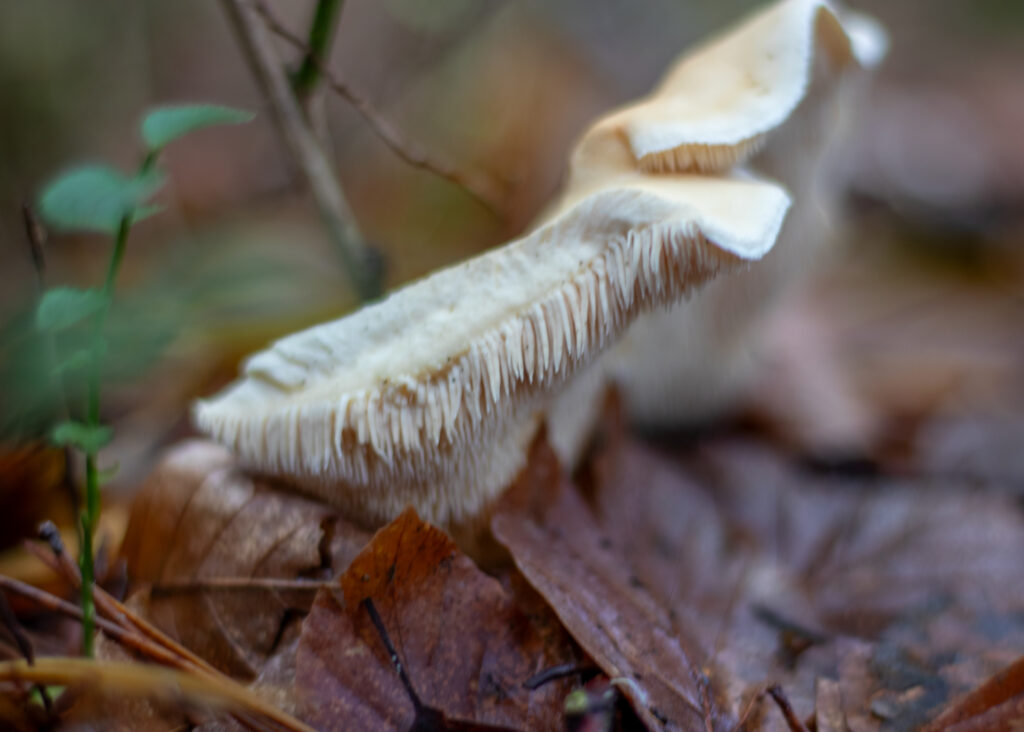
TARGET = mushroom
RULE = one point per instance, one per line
(431, 396)
(770, 94)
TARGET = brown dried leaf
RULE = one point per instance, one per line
(573, 564)
(758, 572)
(678, 546)
(995, 704)
(200, 518)
(869, 553)
(465, 645)
(31, 490)
(17, 716)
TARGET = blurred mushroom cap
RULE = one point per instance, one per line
(714, 107)
(781, 82)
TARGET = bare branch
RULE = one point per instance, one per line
(487, 192)
(300, 140)
(263, 584)
(148, 681)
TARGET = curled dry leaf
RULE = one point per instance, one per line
(567, 557)
(200, 519)
(727, 568)
(857, 553)
(30, 489)
(998, 703)
(464, 644)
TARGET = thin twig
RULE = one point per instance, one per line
(107, 605)
(152, 681)
(485, 191)
(24, 643)
(396, 660)
(34, 234)
(357, 256)
(127, 638)
(555, 673)
(132, 631)
(794, 724)
(236, 583)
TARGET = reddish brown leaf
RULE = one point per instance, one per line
(464, 645)
(756, 570)
(30, 490)
(200, 518)
(633, 639)
(680, 547)
(993, 705)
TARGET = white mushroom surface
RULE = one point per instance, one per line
(431, 396)
(774, 94)
(712, 110)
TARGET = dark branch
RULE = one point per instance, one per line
(485, 191)
(358, 258)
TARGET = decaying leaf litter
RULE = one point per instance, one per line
(693, 575)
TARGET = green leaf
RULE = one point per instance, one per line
(163, 125)
(62, 307)
(95, 198)
(87, 438)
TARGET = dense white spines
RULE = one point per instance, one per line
(440, 428)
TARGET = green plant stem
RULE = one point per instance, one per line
(320, 34)
(91, 511)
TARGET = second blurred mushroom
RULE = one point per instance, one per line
(774, 95)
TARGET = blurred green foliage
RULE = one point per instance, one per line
(96, 198)
(164, 125)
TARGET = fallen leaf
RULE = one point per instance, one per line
(201, 519)
(634, 640)
(724, 568)
(867, 554)
(995, 704)
(464, 645)
(31, 489)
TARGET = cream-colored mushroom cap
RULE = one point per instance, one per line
(714, 107)
(431, 396)
(774, 92)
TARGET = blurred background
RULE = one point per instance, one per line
(922, 307)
